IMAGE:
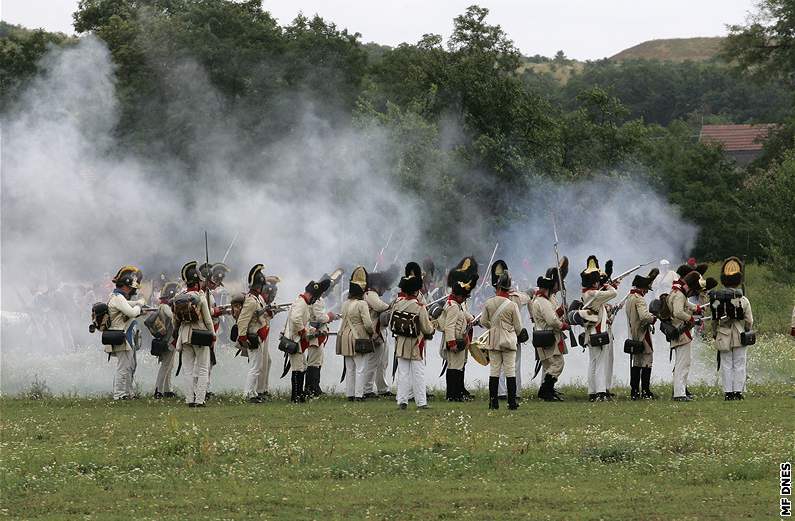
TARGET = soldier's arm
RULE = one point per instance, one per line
(679, 308)
(295, 317)
(485, 318)
(550, 315)
(426, 328)
(245, 316)
(364, 313)
(748, 314)
(374, 302)
(517, 318)
(452, 316)
(206, 317)
(603, 296)
(124, 306)
(643, 312)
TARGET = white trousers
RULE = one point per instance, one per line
(732, 369)
(354, 375)
(376, 365)
(599, 368)
(681, 368)
(163, 381)
(609, 359)
(263, 382)
(125, 371)
(255, 370)
(411, 380)
(196, 366)
(503, 389)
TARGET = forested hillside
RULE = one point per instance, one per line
(469, 103)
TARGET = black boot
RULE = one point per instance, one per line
(738, 395)
(645, 383)
(294, 391)
(462, 397)
(556, 397)
(510, 383)
(300, 384)
(494, 386)
(318, 390)
(728, 397)
(458, 385)
(308, 389)
(634, 382)
(464, 392)
(449, 378)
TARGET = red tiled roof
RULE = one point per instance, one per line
(736, 137)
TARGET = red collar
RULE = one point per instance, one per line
(456, 298)
(502, 293)
(542, 293)
(193, 287)
(304, 296)
(406, 296)
(636, 291)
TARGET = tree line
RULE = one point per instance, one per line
(638, 118)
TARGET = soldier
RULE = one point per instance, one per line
(792, 325)
(123, 311)
(356, 326)
(549, 323)
(522, 299)
(597, 291)
(455, 322)
(194, 330)
(212, 279)
(665, 279)
(640, 322)
(300, 331)
(683, 316)
(319, 319)
(377, 362)
(734, 319)
(411, 326)
(502, 318)
(253, 327)
(166, 358)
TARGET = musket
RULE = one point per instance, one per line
(400, 250)
(381, 253)
(230, 247)
(207, 260)
(631, 271)
(572, 338)
(488, 267)
(615, 309)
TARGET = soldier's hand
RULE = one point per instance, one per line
(452, 346)
(332, 316)
(243, 341)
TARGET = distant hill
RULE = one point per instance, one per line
(673, 49)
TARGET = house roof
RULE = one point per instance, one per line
(736, 137)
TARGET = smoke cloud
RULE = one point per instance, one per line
(76, 205)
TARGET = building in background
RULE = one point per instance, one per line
(743, 143)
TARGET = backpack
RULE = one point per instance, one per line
(100, 317)
(404, 323)
(186, 308)
(721, 303)
(660, 308)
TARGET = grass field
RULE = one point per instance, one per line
(76, 458)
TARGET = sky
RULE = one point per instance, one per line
(583, 29)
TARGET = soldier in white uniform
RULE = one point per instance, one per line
(356, 325)
(213, 278)
(455, 322)
(549, 323)
(319, 319)
(640, 322)
(195, 335)
(733, 321)
(165, 319)
(502, 318)
(299, 330)
(410, 348)
(123, 311)
(684, 316)
(253, 328)
(376, 362)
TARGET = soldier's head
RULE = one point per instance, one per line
(500, 276)
(643, 284)
(411, 282)
(314, 290)
(190, 274)
(591, 275)
(128, 279)
(731, 273)
(168, 292)
(694, 283)
(214, 274)
(358, 283)
(270, 288)
(256, 278)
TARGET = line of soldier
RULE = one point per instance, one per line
(187, 323)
